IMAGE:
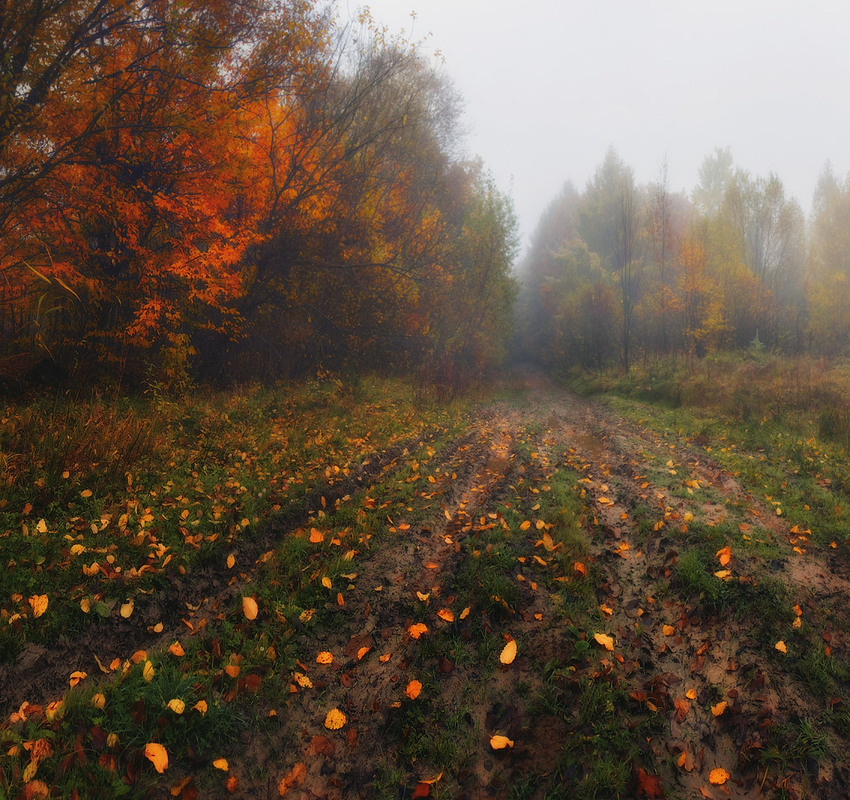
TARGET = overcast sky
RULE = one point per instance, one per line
(550, 84)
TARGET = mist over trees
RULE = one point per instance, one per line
(238, 190)
(621, 271)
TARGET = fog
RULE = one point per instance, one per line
(549, 86)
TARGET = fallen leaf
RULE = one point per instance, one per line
(724, 555)
(718, 709)
(76, 677)
(148, 672)
(201, 707)
(446, 614)
(780, 646)
(499, 742)
(413, 689)
(649, 785)
(417, 629)
(38, 603)
(157, 755)
(176, 649)
(362, 652)
(718, 776)
(249, 608)
(508, 653)
(316, 536)
(580, 568)
(231, 561)
(98, 701)
(302, 680)
(325, 658)
(177, 705)
(221, 763)
(682, 708)
(691, 694)
(292, 778)
(334, 720)
(465, 613)
(127, 609)
(668, 630)
(605, 640)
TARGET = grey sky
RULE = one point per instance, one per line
(550, 85)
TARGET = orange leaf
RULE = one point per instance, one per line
(499, 742)
(362, 652)
(249, 608)
(157, 755)
(325, 658)
(508, 653)
(718, 776)
(413, 689)
(606, 641)
(201, 707)
(718, 709)
(580, 568)
(176, 649)
(724, 555)
(417, 629)
(334, 720)
(682, 708)
(446, 614)
(780, 646)
(292, 778)
(316, 536)
(221, 763)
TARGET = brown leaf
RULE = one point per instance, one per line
(649, 785)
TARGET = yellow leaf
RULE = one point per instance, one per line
(718, 776)
(780, 646)
(688, 517)
(76, 677)
(85, 493)
(148, 672)
(334, 720)
(325, 658)
(691, 694)
(177, 705)
(722, 574)
(127, 609)
(307, 614)
(525, 525)
(465, 613)
(724, 555)
(326, 582)
(201, 707)
(231, 561)
(249, 608)
(423, 597)
(499, 742)
(98, 701)
(508, 653)
(413, 689)
(606, 641)
(668, 630)
(157, 755)
(85, 605)
(221, 763)
(38, 603)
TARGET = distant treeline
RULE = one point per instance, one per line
(235, 190)
(620, 270)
